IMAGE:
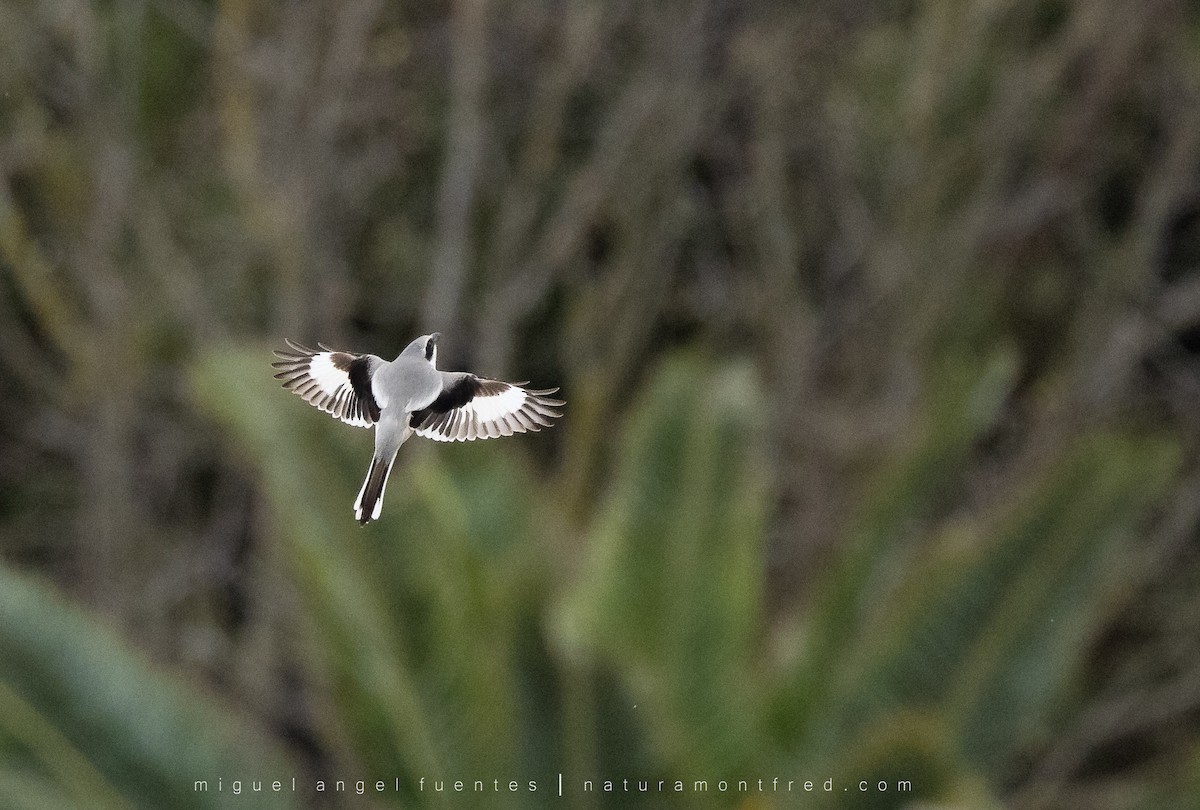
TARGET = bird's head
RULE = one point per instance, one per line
(425, 346)
(431, 342)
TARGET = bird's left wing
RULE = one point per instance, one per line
(471, 407)
(338, 383)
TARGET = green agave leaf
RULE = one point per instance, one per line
(671, 594)
(989, 626)
(23, 789)
(988, 629)
(85, 722)
(1051, 566)
(985, 628)
(904, 759)
(963, 402)
(469, 541)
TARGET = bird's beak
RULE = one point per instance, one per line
(435, 336)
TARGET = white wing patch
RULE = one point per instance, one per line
(496, 407)
(474, 408)
(330, 378)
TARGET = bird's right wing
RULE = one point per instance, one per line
(471, 407)
(338, 383)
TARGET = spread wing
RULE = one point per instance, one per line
(471, 407)
(338, 383)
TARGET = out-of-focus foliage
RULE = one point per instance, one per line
(879, 327)
(86, 722)
(671, 594)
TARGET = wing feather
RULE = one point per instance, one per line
(471, 407)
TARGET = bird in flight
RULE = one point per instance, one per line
(405, 396)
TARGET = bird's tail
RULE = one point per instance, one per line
(370, 498)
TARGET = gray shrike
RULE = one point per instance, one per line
(406, 396)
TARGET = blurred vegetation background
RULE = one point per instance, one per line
(879, 327)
